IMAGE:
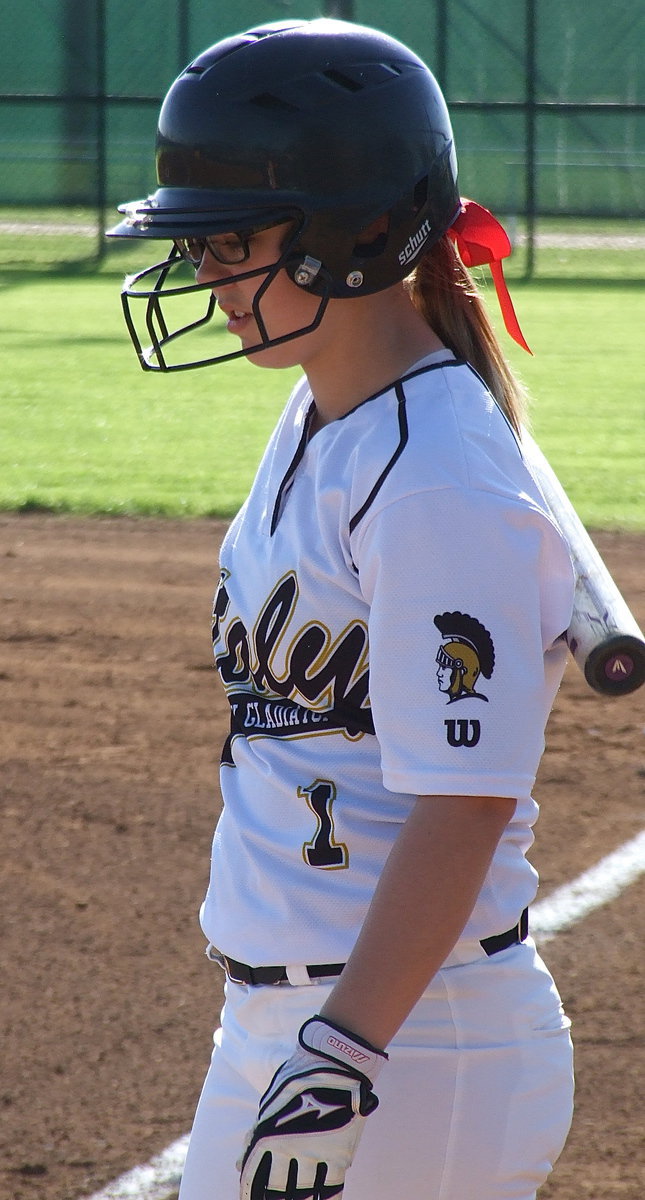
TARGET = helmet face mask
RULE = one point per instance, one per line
(329, 123)
(147, 294)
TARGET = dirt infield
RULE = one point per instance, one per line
(109, 742)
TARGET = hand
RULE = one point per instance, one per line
(311, 1117)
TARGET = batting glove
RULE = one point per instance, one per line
(311, 1117)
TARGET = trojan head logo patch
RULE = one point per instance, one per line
(466, 653)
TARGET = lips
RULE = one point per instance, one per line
(237, 319)
(238, 323)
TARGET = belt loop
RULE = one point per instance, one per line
(297, 975)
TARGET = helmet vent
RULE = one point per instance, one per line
(363, 75)
(421, 193)
(202, 64)
(276, 103)
(344, 81)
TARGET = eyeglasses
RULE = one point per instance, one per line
(226, 248)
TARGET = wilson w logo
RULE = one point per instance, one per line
(462, 732)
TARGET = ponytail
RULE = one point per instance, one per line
(444, 292)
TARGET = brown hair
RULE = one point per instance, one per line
(445, 293)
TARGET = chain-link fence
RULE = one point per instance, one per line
(547, 99)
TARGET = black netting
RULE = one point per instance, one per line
(548, 102)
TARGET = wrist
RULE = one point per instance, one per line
(337, 1044)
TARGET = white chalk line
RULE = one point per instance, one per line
(159, 1178)
(155, 1180)
(595, 887)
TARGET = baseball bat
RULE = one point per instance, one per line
(603, 637)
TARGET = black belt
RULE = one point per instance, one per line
(241, 973)
(502, 941)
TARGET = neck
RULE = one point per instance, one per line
(371, 341)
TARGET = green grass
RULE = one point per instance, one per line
(84, 430)
(587, 387)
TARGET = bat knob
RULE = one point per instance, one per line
(616, 667)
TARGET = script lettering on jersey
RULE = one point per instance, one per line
(277, 673)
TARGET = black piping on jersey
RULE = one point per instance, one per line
(291, 470)
(438, 366)
(403, 431)
(304, 438)
(403, 441)
(503, 415)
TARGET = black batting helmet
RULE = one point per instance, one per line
(324, 122)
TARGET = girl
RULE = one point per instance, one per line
(388, 628)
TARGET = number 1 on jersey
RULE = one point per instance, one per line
(323, 851)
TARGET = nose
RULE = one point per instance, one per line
(210, 269)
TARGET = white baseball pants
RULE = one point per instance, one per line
(475, 1102)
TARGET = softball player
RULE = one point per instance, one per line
(388, 628)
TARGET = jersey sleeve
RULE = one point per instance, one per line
(469, 594)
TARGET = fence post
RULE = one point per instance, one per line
(101, 126)
(77, 128)
(531, 116)
(183, 40)
(442, 46)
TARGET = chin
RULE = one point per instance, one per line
(275, 357)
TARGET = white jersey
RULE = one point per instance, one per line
(388, 623)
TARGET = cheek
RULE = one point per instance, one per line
(288, 304)
(285, 309)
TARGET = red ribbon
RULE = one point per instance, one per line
(480, 239)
